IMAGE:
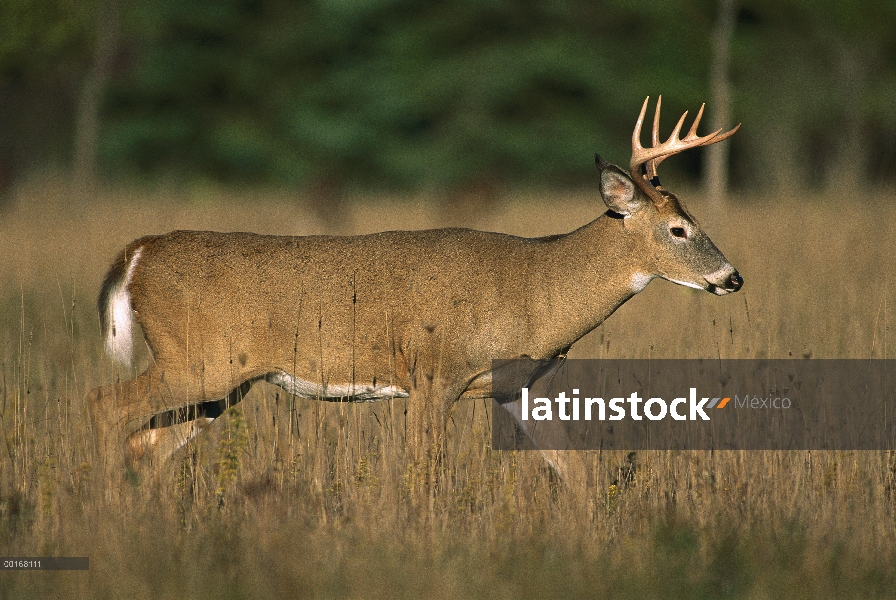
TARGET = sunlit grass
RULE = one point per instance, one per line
(289, 497)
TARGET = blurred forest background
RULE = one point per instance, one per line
(451, 96)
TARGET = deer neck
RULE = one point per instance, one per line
(587, 274)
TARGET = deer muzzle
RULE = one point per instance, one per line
(732, 283)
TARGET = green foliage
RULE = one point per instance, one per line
(233, 442)
(44, 36)
(402, 95)
(386, 93)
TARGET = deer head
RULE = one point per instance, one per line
(669, 241)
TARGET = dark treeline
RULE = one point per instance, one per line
(407, 95)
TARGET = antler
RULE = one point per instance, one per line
(651, 157)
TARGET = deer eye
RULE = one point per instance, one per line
(678, 232)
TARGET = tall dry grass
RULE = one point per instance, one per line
(291, 498)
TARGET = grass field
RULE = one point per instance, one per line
(291, 498)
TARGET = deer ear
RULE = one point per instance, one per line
(618, 191)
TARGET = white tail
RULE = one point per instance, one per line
(417, 314)
(114, 305)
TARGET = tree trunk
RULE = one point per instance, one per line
(716, 156)
(849, 158)
(90, 99)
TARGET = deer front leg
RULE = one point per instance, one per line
(550, 437)
(427, 417)
(429, 408)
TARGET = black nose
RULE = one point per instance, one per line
(735, 282)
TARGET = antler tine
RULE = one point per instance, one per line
(723, 136)
(636, 135)
(650, 167)
(677, 130)
(673, 139)
(656, 121)
(692, 132)
(712, 138)
(654, 163)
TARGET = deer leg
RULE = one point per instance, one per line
(429, 409)
(143, 420)
(549, 437)
(120, 409)
(168, 432)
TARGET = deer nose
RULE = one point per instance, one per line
(735, 281)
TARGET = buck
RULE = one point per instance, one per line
(400, 314)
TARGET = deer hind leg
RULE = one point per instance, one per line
(168, 432)
(143, 421)
(120, 409)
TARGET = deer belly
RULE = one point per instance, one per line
(339, 392)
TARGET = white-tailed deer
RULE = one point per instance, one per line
(416, 314)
